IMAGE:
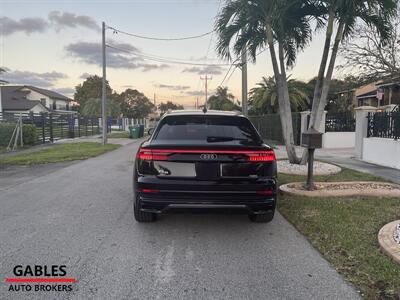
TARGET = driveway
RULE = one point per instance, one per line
(81, 216)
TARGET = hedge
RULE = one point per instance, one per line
(6, 131)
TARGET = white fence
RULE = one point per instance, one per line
(332, 140)
(382, 151)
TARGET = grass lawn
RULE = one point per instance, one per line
(345, 231)
(59, 153)
(118, 135)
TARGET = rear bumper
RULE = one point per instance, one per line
(205, 196)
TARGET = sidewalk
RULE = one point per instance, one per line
(93, 139)
(345, 158)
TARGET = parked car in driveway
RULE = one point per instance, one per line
(209, 161)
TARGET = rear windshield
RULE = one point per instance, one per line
(207, 128)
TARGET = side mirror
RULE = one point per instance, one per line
(150, 131)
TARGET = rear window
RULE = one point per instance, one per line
(207, 128)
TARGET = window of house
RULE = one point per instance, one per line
(43, 101)
(54, 105)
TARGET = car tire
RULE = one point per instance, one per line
(142, 216)
(262, 218)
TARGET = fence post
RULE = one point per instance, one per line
(51, 127)
(361, 128)
(43, 128)
(79, 126)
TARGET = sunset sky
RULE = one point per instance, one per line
(56, 45)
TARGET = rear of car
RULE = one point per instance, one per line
(204, 162)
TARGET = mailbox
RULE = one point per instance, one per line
(311, 139)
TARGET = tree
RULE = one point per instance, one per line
(345, 14)
(222, 100)
(286, 25)
(3, 70)
(264, 98)
(135, 104)
(368, 57)
(164, 107)
(91, 88)
(92, 108)
(251, 25)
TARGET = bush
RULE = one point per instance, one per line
(7, 129)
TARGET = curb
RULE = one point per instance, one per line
(387, 242)
(286, 189)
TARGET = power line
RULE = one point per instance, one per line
(236, 66)
(115, 30)
(163, 60)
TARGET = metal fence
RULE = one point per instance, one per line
(340, 122)
(270, 127)
(384, 125)
(53, 126)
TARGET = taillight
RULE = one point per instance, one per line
(267, 192)
(163, 154)
(261, 156)
(150, 154)
(148, 191)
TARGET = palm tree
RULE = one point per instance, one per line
(263, 98)
(222, 100)
(345, 14)
(252, 25)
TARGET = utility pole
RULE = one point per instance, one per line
(104, 91)
(206, 79)
(244, 82)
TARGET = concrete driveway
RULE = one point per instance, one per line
(80, 215)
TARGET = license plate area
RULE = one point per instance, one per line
(239, 170)
(167, 169)
(208, 171)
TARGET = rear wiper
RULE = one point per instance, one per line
(213, 139)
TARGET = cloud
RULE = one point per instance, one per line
(28, 25)
(86, 75)
(65, 91)
(150, 67)
(56, 19)
(211, 70)
(172, 87)
(62, 20)
(46, 79)
(90, 53)
(195, 93)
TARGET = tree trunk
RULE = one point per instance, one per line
(321, 73)
(280, 84)
(320, 79)
(328, 77)
(286, 111)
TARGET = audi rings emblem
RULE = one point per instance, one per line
(208, 156)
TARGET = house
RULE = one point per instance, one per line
(377, 94)
(367, 95)
(26, 98)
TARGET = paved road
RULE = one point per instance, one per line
(81, 215)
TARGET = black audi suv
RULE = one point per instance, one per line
(209, 161)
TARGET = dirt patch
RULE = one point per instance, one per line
(338, 189)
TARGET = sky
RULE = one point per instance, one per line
(56, 44)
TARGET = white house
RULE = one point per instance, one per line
(25, 98)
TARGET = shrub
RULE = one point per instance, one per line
(7, 129)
